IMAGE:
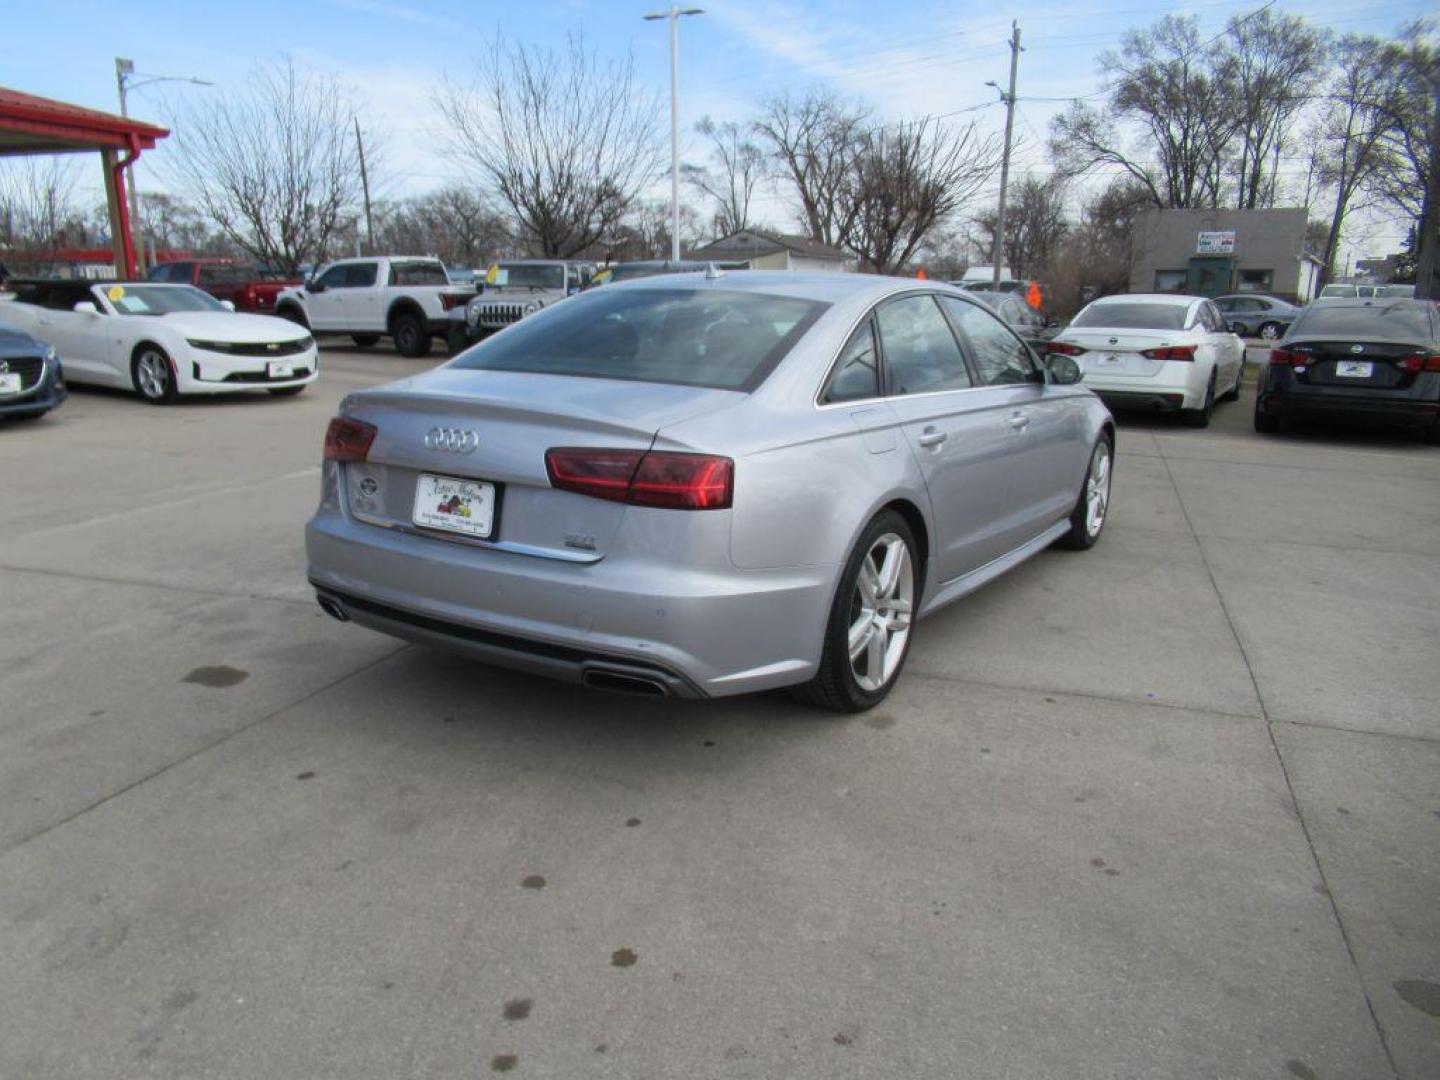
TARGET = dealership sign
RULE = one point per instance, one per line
(1216, 243)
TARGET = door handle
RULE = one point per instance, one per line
(931, 437)
(1019, 421)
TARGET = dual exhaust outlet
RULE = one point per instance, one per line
(596, 676)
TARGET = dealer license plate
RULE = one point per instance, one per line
(10, 382)
(280, 369)
(1355, 369)
(459, 506)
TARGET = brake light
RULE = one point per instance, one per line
(1289, 358)
(1420, 363)
(348, 440)
(657, 478)
(1170, 352)
(1064, 348)
(452, 300)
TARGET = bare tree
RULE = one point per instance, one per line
(736, 167)
(1408, 176)
(816, 141)
(274, 166)
(1034, 225)
(568, 142)
(1364, 96)
(1179, 94)
(908, 178)
(38, 208)
(1276, 62)
(453, 223)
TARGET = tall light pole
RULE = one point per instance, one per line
(1009, 100)
(674, 15)
(126, 79)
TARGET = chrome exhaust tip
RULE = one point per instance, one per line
(624, 682)
(332, 608)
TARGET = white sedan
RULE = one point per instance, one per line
(1156, 351)
(162, 340)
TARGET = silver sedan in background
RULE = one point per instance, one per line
(708, 484)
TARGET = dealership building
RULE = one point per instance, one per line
(1218, 252)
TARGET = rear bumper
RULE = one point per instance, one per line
(1402, 412)
(1150, 401)
(702, 632)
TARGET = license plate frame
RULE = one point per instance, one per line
(474, 506)
(11, 382)
(1354, 369)
(280, 369)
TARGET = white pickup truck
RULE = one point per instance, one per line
(403, 297)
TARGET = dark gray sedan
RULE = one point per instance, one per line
(707, 484)
(31, 380)
(1264, 317)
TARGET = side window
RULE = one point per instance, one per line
(361, 275)
(856, 376)
(335, 278)
(921, 354)
(1000, 356)
(208, 276)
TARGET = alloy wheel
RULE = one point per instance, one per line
(880, 612)
(1097, 489)
(152, 371)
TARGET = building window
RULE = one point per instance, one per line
(1170, 281)
(1256, 280)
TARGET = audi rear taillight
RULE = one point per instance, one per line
(1064, 348)
(1170, 352)
(1289, 358)
(657, 478)
(1420, 363)
(348, 440)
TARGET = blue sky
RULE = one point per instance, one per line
(907, 59)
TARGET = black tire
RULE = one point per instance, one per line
(153, 374)
(456, 339)
(411, 338)
(27, 415)
(1233, 394)
(288, 391)
(1431, 434)
(1271, 331)
(1081, 537)
(364, 341)
(1267, 423)
(835, 685)
(294, 313)
(1199, 418)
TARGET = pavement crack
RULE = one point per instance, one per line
(1285, 775)
(141, 583)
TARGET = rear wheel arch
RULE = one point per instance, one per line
(403, 306)
(918, 529)
(292, 310)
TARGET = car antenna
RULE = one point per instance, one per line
(713, 272)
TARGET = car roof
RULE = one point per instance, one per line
(1173, 299)
(827, 287)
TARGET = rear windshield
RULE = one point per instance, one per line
(1376, 321)
(725, 340)
(1133, 316)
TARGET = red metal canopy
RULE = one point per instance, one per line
(35, 125)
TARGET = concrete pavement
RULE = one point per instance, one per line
(1166, 808)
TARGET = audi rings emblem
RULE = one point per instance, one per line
(452, 440)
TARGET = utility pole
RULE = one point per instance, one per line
(1009, 100)
(674, 15)
(124, 68)
(365, 187)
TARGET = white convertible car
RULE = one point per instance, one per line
(161, 340)
(1156, 351)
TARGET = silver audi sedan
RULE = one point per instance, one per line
(708, 484)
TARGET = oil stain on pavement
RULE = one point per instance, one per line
(216, 677)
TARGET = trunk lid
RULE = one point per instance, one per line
(508, 420)
(1117, 352)
(1356, 365)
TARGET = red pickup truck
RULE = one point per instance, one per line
(225, 279)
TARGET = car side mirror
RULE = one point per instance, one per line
(85, 307)
(1064, 371)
